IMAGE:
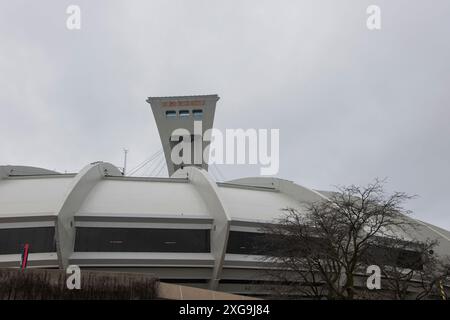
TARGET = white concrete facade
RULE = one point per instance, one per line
(99, 200)
(100, 197)
(175, 113)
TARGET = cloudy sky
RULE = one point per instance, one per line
(351, 104)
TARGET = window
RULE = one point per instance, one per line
(171, 114)
(41, 239)
(183, 113)
(245, 242)
(394, 256)
(254, 243)
(197, 113)
(410, 259)
(141, 240)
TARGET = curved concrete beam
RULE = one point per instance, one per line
(209, 192)
(298, 192)
(417, 230)
(78, 190)
(6, 171)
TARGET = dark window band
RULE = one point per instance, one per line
(41, 239)
(141, 240)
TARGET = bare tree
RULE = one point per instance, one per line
(323, 249)
(410, 269)
(435, 279)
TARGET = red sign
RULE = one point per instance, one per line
(183, 103)
(25, 250)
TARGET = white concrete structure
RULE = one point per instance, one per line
(175, 113)
(186, 228)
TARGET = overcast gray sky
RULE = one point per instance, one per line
(351, 104)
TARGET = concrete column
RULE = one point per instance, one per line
(221, 226)
(78, 190)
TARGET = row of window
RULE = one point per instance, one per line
(141, 240)
(196, 113)
(251, 243)
(42, 239)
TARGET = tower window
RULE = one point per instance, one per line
(183, 113)
(197, 113)
(171, 114)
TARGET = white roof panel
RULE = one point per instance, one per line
(34, 196)
(144, 198)
(255, 205)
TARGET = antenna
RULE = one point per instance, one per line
(125, 152)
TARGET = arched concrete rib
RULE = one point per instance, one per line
(207, 188)
(6, 171)
(434, 230)
(413, 229)
(77, 192)
(297, 192)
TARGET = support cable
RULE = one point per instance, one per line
(145, 162)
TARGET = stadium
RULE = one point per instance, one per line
(186, 229)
